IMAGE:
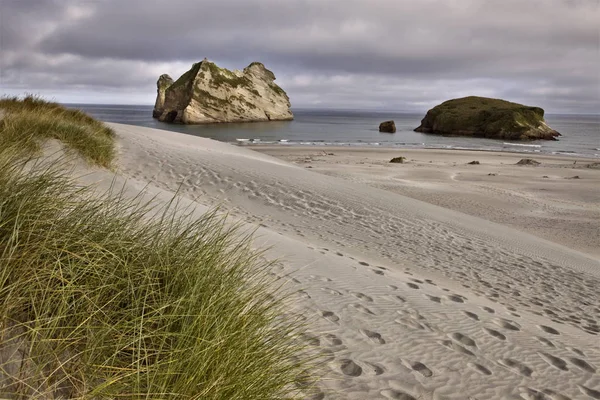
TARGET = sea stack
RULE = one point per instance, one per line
(210, 94)
(487, 118)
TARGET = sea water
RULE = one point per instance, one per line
(580, 133)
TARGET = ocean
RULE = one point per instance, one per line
(581, 133)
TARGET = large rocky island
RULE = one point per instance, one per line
(209, 94)
(487, 118)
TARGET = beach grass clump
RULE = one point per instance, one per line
(29, 121)
(102, 296)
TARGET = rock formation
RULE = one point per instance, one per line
(487, 118)
(163, 83)
(528, 161)
(398, 160)
(387, 126)
(209, 94)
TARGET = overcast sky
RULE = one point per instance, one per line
(403, 55)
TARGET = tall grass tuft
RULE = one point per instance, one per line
(32, 119)
(104, 297)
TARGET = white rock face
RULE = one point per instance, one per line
(209, 94)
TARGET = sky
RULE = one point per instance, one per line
(400, 55)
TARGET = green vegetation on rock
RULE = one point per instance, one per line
(222, 76)
(274, 87)
(489, 118)
(187, 77)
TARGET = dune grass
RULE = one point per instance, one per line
(32, 119)
(108, 297)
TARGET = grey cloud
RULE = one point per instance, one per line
(378, 53)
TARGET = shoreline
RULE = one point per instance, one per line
(367, 146)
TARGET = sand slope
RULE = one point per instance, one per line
(405, 299)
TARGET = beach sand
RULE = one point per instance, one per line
(421, 280)
(544, 200)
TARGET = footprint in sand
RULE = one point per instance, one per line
(594, 394)
(489, 309)
(310, 339)
(303, 294)
(554, 361)
(576, 351)
(479, 368)
(332, 291)
(531, 394)
(373, 336)
(393, 287)
(516, 366)
(332, 340)
(582, 365)
(455, 298)
(373, 369)
(494, 333)
(463, 339)
(364, 263)
(362, 309)
(435, 299)
(397, 298)
(330, 316)
(350, 368)
(507, 324)
(471, 315)
(396, 395)
(377, 272)
(545, 341)
(549, 329)
(362, 296)
(419, 367)
(456, 347)
(412, 285)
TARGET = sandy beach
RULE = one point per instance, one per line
(557, 200)
(432, 279)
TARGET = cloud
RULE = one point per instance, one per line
(390, 54)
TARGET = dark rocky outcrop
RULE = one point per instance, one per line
(528, 161)
(487, 118)
(209, 94)
(387, 126)
(398, 160)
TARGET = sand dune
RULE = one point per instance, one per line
(406, 299)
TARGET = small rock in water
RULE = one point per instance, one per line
(387, 126)
(574, 177)
(545, 177)
(399, 160)
(474, 163)
(490, 174)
